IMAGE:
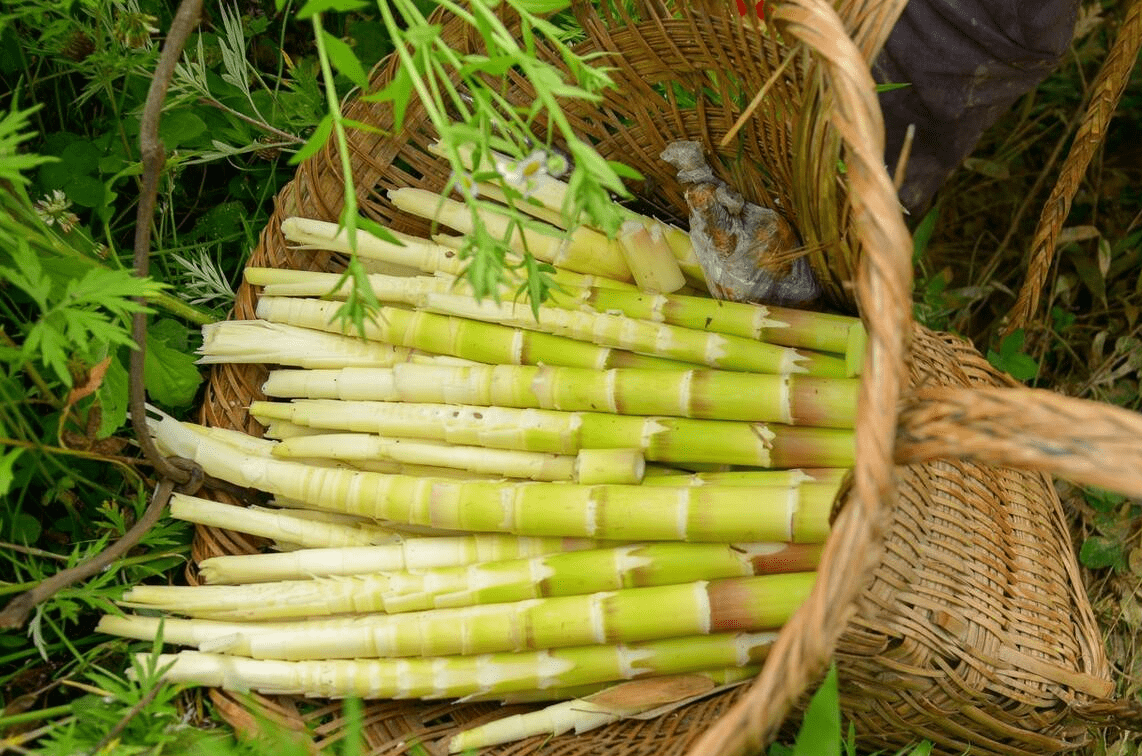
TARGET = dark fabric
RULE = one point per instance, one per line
(967, 62)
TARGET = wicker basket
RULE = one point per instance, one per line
(949, 588)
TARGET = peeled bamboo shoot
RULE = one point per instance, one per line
(458, 676)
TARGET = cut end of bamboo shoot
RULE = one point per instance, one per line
(650, 258)
(598, 466)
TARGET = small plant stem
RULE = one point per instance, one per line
(114, 732)
(350, 211)
(181, 309)
(252, 121)
(32, 551)
(34, 716)
(33, 374)
(439, 122)
(124, 463)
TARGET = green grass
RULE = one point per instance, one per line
(247, 98)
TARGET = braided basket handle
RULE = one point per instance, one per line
(1033, 429)
(1107, 90)
(884, 286)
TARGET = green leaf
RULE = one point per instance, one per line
(7, 476)
(422, 35)
(540, 7)
(1100, 552)
(170, 374)
(14, 130)
(377, 230)
(53, 175)
(27, 274)
(497, 66)
(1010, 357)
(25, 529)
(625, 171)
(85, 191)
(349, 123)
(81, 156)
(112, 398)
(361, 303)
(1012, 344)
(371, 40)
(923, 233)
(1103, 501)
(179, 127)
(398, 91)
(315, 142)
(891, 86)
(321, 6)
(1061, 319)
(820, 733)
(344, 60)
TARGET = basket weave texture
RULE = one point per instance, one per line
(974, 629)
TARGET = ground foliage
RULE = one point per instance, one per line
(248, 96)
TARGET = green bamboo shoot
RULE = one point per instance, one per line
(685, 345)
(548, 201)
(739, 321)
(609, 512)
(629, 615)
(283, 527)
(259, 341)
(544, 576)
(583, 250)
(587, 466)
(410, 554)
(724, 676)
(644, 698)
(702, 394)
(459, 676)
(459, 337)
(661, 439)
(650, 258)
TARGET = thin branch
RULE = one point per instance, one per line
(15, 614)
(284, 135)
(153, 156)
(121, 725)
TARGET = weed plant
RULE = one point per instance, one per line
(76, 75)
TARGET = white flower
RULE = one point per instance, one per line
(521, 175)
(510, 172)
(534, 165)
(54, 210)
(465, 184)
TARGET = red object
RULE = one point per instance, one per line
(759, 8)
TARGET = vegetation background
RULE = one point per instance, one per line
(248, 96)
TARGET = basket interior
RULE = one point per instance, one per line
(978, 562)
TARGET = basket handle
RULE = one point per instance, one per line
(884, 285)
(1107, 90)
(1033, 429)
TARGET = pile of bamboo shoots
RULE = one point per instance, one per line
(470, 502)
